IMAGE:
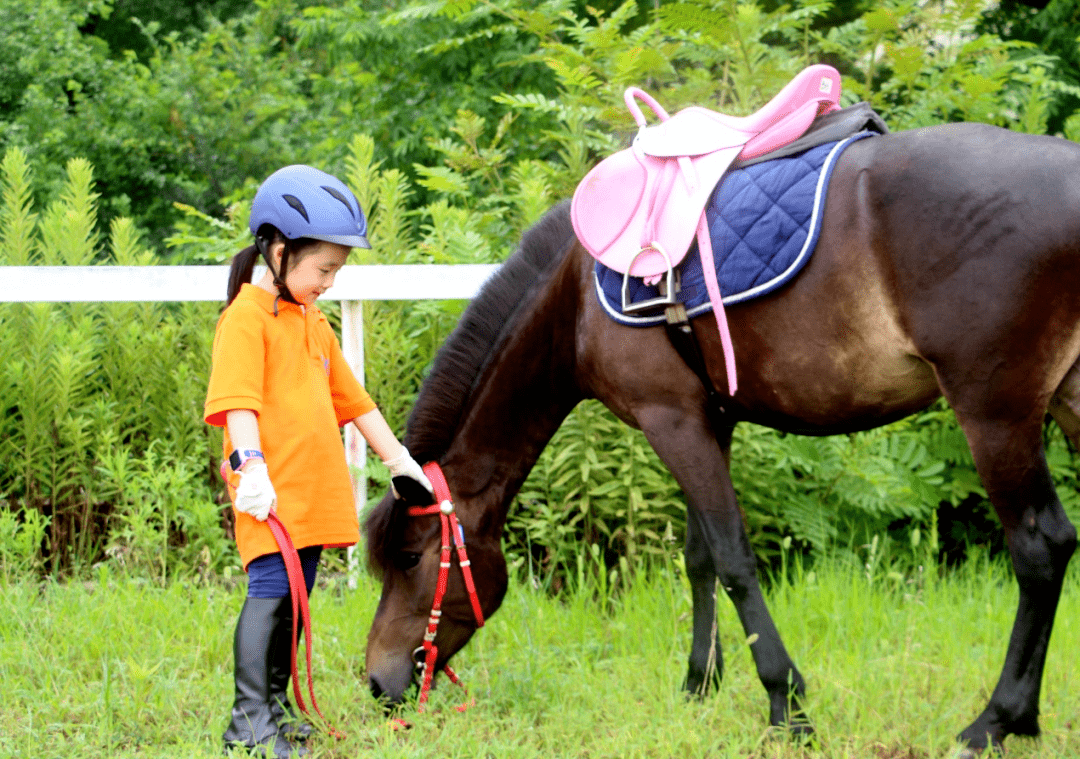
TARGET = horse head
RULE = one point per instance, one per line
(406, 550)
(485, 412)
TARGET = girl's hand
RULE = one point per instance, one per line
(255, 495)
(405, 466)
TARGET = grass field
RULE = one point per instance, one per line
(895, 668)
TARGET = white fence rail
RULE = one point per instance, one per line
(73, 284)
(352, 286)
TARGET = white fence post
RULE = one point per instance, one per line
(352, 346)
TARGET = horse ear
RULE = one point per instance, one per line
(412, 492)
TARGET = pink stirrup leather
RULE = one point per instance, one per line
(637, 210)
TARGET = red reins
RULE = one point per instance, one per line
(452, 536)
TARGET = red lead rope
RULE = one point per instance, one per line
(298, 590)
(452, 535)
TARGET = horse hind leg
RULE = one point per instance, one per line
(1065, 405)
(1012, 465)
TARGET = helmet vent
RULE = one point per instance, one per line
(336, 195)
(296, 205)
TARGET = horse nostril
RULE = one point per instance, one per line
(376, 689)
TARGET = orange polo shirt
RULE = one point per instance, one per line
(290, 371)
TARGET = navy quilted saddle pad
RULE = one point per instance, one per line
(764, 221)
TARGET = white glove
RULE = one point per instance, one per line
(255, 495)
(405, 466)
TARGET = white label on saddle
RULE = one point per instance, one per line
(826, 85)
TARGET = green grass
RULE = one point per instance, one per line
(894, 669)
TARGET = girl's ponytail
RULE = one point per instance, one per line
(243, 264)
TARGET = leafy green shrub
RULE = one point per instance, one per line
(21, 534)
(597, 483)
(921, 64)
(87, 388)
(165, 518)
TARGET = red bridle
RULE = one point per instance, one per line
(452, 536)
(451, 531)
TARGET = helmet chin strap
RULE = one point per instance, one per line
(263, 245)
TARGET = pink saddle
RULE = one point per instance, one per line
(637, 211)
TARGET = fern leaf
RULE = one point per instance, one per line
(441, 179)
(17, 219)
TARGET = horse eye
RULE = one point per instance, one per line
(405, 560)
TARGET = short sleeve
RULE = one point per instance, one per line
(349, 397)
(237, 365)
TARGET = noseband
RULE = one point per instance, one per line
(451, 531)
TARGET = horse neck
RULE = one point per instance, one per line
(518, 402)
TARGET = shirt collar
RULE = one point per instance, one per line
(265, 300)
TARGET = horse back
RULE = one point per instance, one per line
(946, 254)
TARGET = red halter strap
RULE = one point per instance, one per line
(452, 535)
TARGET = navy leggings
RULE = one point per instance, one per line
(267, 577)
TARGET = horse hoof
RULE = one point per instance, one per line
(967, 752)
(799, 731)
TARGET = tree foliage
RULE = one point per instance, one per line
(131, 24)
(1051, 29)
(196, 104)
(187, 126)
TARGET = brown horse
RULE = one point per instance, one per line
(948, 264)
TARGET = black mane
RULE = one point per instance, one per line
(435, 417)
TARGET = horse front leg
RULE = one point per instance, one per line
(706, 665)
(684, 441)
(1041, 540)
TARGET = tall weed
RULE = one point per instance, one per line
(21, 534)
(599, 483)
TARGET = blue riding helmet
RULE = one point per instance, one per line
(301, 201)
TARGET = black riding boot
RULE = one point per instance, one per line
(253, 723)
(289, 722)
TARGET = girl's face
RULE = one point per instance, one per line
(313, 273)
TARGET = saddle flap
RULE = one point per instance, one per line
(629, 202)
(607, 200)
(675, 223)
(692, 131)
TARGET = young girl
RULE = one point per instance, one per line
(281, 388)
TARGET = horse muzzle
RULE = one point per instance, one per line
(392, 678)
(389, 684)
